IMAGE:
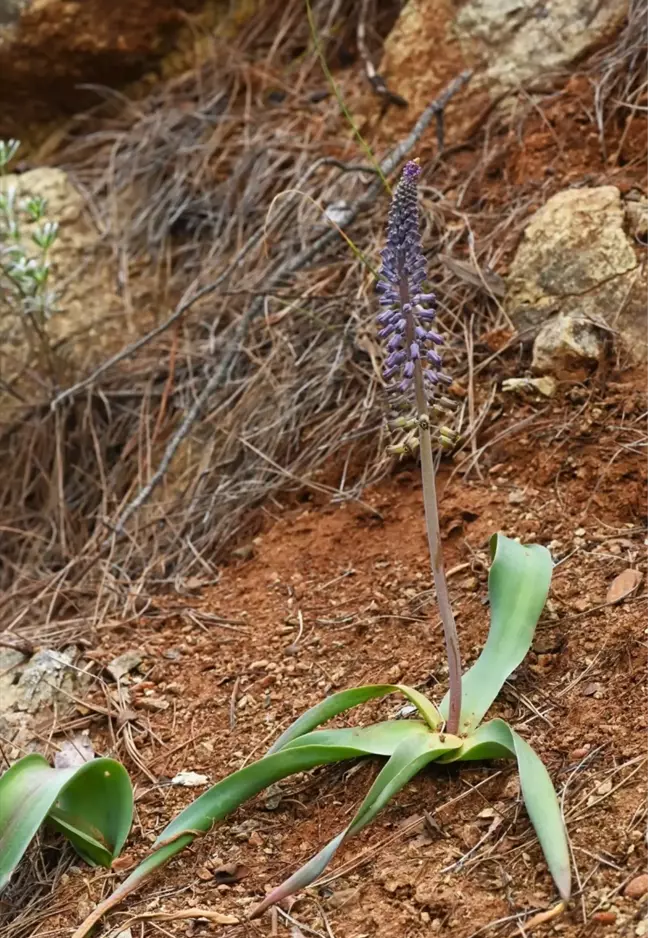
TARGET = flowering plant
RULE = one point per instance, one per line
(454, 732)
(24, 261)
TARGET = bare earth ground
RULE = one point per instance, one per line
(335, 596)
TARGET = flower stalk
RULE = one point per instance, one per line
(413, 357)
(428, 477)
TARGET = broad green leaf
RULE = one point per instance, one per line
(491, 740)
(407, 760)
(543, 808)
(96, 804)
(495, 740)
(518, 584)
(232, 791)
(379, 739)
(91, 804)
(346, 700)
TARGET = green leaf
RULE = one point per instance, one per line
(379, 739)
(495, 740)
(345, 700)
(407, 760)
(491, 740)
(91, 804)
(518, 585)
(224, 797)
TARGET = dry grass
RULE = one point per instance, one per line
(620, 81)
(213, 181)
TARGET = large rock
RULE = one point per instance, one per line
(35, 690)
(507, 42)
(49, 48)
(576, 282)
(518, 40)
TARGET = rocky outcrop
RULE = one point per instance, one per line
(34, 690)
(515, 41)
(576, 282)
(49, 48)
(507, 42)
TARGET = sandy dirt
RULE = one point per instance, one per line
(334, 596)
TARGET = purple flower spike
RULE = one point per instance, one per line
(413, 309)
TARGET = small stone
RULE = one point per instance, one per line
(637, 218)
(190, 780)
(256, 840)
(577, 754)
(591, 690)
(516, 497)
(512, 787)
(568, 346)
(124, 863)
(394, 674)
(623, 585)
(152, 704)
(341, 897)
(637, 887)
(604, 918)
(545, 385)
(123, 664)
(246, 552)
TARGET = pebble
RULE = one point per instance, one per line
(604, 918)
(516, 497)
(190, 779)
(637, 887)
(153, 704)
(119, 667)
(577, 754)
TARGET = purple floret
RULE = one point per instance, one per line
(408, 309)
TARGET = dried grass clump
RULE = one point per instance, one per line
(214, 181)
(620, 82)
